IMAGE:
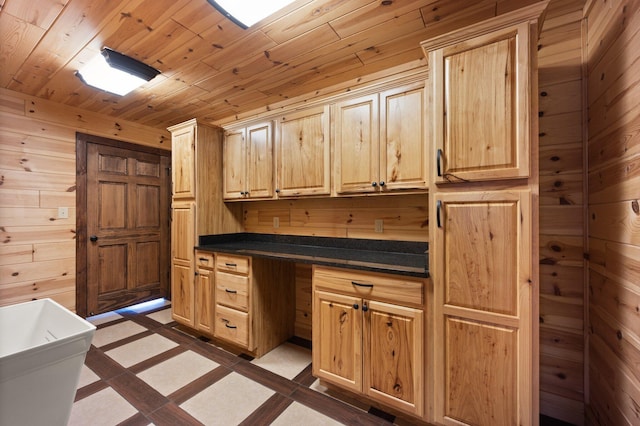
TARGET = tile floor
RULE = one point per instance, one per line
(144, 369)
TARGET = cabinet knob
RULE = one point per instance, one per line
(93, 238)
(374, 184)
(365, 308)
(382, 183)
(355, 306)
(277, 190)
(242, 193)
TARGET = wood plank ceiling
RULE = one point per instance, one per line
(212, 69)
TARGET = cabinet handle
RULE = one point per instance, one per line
(231, 265)
(382, 183)
(439, 162)
(361, 284)
(355, 306)
(374, 184)
(204, 259)
(230, 326)
(438, 208)
(365, 308)
(230, 291)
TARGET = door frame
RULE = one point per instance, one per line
(82, 139)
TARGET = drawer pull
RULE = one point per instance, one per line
(230, 291)
(231, 265)
(361, 284)
(204, 259)
(230, 326)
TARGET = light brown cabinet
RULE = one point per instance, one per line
(255, 302)
(204, 301)
(380, 142)
(483, 221)
(197, 209)
(248, 165)
(368, 335)
(303, 153)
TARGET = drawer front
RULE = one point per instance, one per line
(232, 326)
(369, 285)
(231, 263)
(204, 259)
(232, 290)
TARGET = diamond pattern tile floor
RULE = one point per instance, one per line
(144, 368)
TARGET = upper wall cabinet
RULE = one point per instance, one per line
(303, 153)
(183, 162)
(248, 165)
(481, 131)
(380, 142)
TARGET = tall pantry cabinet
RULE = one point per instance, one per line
(197, 209)
(483, 206)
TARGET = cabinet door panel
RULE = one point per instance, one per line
(182, 297)
(183, 163)
(337, 339)
(260, 161)
(303, 153)
(234, 164)
(356, 145)
(481, 373)
(482, 107)
(394, 361)
(403, 151)
(204, 301)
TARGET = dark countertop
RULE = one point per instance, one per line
(397, 257)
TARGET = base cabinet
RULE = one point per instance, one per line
(365, 344)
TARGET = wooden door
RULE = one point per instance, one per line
(481, 107)
(182, 262)
(235, 160)
(394, 360)
(403, 150)
(303, 153)
(128, 227)
(483, 296)
(204, 300)
(183, 163)
(357, 156)
(260, 160)
(337, 339)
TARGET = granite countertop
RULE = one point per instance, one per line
(397, 257)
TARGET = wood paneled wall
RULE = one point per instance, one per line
(562, 283)
(613, 70)
(38, 175)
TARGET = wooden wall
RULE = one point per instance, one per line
(562, 283)
(38, 175)
(613, 64)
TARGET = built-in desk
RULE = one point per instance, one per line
(396, 257)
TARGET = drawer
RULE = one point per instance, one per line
(204, 259)
(232, 290)
(232, 326)
(370, 285)
(231, 263)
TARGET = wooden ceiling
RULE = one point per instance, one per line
(212, 69)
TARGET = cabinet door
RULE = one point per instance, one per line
(235, 160)
(485, 325)
(182, 265)
(260, 161)
(482, 106)
(303, 153)
(357, 158)
(394, 360)
(403, 150)
(204, 302)
(183, 163)
(337, 339)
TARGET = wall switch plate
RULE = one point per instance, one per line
(276, 222)
(379, 225)
(63, 212)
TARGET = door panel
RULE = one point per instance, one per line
(127, 226)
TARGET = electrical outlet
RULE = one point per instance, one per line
(63, 212)
(276, 222)
(379, 225)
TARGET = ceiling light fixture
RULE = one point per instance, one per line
(115, 73)
(245, 13)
